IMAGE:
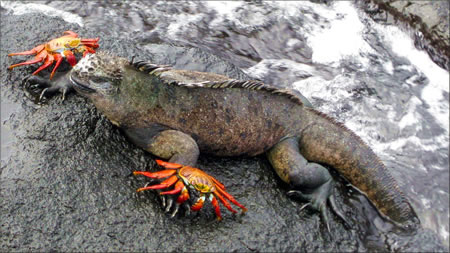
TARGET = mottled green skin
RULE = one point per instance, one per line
(238, 121)
(225, 122)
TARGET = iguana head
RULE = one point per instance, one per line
(98, 75)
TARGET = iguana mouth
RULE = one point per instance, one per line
(80, 85)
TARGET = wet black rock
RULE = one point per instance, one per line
(427, 22)
(66, 185)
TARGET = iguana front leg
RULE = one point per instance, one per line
(182, 152)
(311, 181)
(175, 146)
(42, 88)
(172, 145)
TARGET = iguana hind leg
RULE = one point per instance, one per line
(312, 182)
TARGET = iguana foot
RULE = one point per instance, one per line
(317, 201)
(312, 182)
(43, 88)
(183, 178)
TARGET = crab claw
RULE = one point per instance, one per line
(199, 204)
(183, 196)
(70, 57)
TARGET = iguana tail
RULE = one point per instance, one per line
(323, 140)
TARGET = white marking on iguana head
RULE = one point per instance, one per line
(101, 64)
(85, 65)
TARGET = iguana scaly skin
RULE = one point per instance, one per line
(176, 114)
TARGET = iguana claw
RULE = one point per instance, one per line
(43, 88)
(317, 200)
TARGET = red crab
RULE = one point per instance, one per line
(186, 176)
(57, 49)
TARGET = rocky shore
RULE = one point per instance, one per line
(426, 21)
(67, 186)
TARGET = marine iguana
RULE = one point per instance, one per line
(176, 114)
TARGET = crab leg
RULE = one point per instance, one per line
(87, 50)
(165, 184)
(168, 165)
(38, 58)
(70, 34)
(229, 197)
(224, 202)
(58, 59)
(216, 206)
(218, 183)
(156, 175)
(178, 187)
(48, 61)
(90, 42)
(35, 50)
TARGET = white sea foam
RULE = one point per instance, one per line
(225, 11)
(389, 67)
(411, 116)
(180, 24)
(23, 8)
(444, 232)
(433, 92)
(341, 39)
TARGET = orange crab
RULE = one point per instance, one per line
(186, 176)
(57, 49)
